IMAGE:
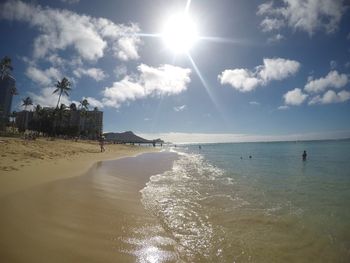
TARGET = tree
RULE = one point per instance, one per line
(36, 122)
(38, 109)
(62, 86)
(73, 107)
(5, 66)
(84, 104)
(27, 102)
(61, 116)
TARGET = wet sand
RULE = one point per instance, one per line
(96, 217)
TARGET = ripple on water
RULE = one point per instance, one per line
(179, 199)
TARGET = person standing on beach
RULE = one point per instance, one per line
(304, 155)
(102, 143)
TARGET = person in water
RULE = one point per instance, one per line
(304, 155)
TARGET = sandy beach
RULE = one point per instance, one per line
(51, 214)
(26, 163)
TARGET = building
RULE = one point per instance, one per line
(88, 124)
(23, 119)
(93, 123)
(7, 90)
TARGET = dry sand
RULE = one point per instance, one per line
(50, 214)
(24, 163)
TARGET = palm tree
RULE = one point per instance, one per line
(27, 102)
(73, 107)
(84, 104)
(62, 86)
(62, 117)
(37, 119)
(5, 66)
(38, 108)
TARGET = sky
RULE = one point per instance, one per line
(189, 71)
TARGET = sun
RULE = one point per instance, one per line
(180, 33)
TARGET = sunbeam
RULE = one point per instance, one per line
(224, 40)
(187, 8)
(207, 88)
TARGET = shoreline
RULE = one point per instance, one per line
(96, 217)
(25, 164)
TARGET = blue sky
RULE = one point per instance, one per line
(259, 70)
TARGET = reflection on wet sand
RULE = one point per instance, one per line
(97, 217)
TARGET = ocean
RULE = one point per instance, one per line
(219, 205)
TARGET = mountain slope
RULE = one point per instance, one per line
(127, 137)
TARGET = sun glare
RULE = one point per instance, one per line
(180, 33)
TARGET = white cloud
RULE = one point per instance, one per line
(333, 64)
(47, 77)
(278, 69)
(265, 8)
(46, 98)
(294, 97)
(71, 2)
(121, 71)
(332, 80)
(305, 15)
(180, 108)
(162, 81)
(254, 103)
(122, 91)
(245, 80)
(95, 73)
(124, 39)
(94, 102)
(271, 24)
(331, 97)
(127, 48)
(276, 38)
(242, 80)
(283, 107)
(62, 29)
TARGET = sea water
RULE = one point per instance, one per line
(219, 205)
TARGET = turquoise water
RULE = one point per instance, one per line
(273, 207)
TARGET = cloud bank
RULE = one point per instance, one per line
(62, 29)
(69, 44)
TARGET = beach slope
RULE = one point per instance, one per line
(24, 163)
